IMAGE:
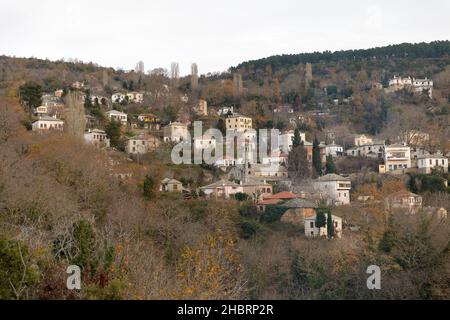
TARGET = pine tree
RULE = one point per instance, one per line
(317, 163)
(330, 167)
(330, 225)
(31, 94)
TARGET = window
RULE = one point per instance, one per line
(311, 224)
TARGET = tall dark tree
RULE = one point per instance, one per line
(330, 167)
(114, 134)
(297, 139)
(31, 95)
(87, 101)
(222, 126)
(317, 163)
(148, 187)
(321, 219)
(298, 164)
(330, 225)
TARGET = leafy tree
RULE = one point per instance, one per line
(330, 167)
(17, 272)
(272, 213)
(387, 240)
(169, 114)
(31, 94)
(317, 163)
(241, 196)
(249, 228)
(84, 239)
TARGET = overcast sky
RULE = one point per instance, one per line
(214, 34)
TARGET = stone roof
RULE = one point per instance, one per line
(221, 183)
(333, 177)
(47, 118)
(299, 203)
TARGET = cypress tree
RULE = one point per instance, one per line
(297, 139)
(317, 163)
(330, 225)
(321, 219)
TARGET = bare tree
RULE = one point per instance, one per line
(194, 76)
(174, 73)
(74, 113)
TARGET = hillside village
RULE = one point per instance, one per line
(397, 156)
(361, 153)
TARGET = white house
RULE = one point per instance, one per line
(334, 188)
(362, 139)
(428, 162)
(117, 116)
(97, 137)
(48, 123)
(312, 231)
(397, 156)
(372, 150)
(334, 150)
(175, 132)
(238, 123)
(404, 200)
(141, 144)
(223, 111)
(416, 85)
(222, 189)
(41, 111)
